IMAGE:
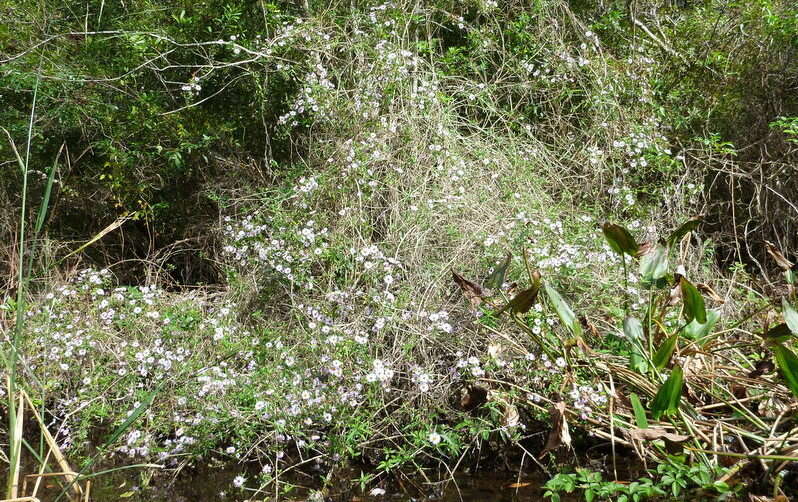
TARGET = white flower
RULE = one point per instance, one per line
(434, 438)
(239, 481)
(375, 492)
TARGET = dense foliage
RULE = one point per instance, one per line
(252, 214)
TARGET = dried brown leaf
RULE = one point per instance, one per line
(510, 418)
(471, 290)
(779, 258)
(711, 293)
(559, 435)
(655, 433)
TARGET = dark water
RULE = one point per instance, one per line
(214, 485)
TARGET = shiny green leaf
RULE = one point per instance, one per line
(788, 364)
(564, 312)
(779, 333)
(696, 330)
(663, 355)
(633, 330)
(666, 402)
(640, 412)
(693, 302)
(654, 263)
(790, 316)
(687, 226)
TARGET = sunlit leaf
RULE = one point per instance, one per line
(790, 316)
(496, 278)
(633, 330)
(654, 263)
(640, 412)
(619, 239)
(564, 312)
(788, 364)
(663, 355)
(693, 302)
(696, 330)
(687, 226)
(655, 433)
(666, 402)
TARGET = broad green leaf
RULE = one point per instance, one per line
(788, 364)
(496, 278)
(693, 302)
(663, 355)
(638, 361)
(790, 316)
(654, 263)
(564, 312)
(687, 226)
(619, 239)
(779, 333)
(696, 330)
(666, 402)
(640, 412)
(633, 330)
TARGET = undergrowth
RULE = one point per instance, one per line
(406, 218)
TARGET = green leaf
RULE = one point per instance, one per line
(693, 302)
(619, 239)
(663, 355)
(564, 312)
(666, 402)
(640, 412)
(790, 316)
(696, 330)
(654, 263)
(496, 278)
(779, 333)
(687, 226)
(788, 364)
(633, 330)
(45, 203)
